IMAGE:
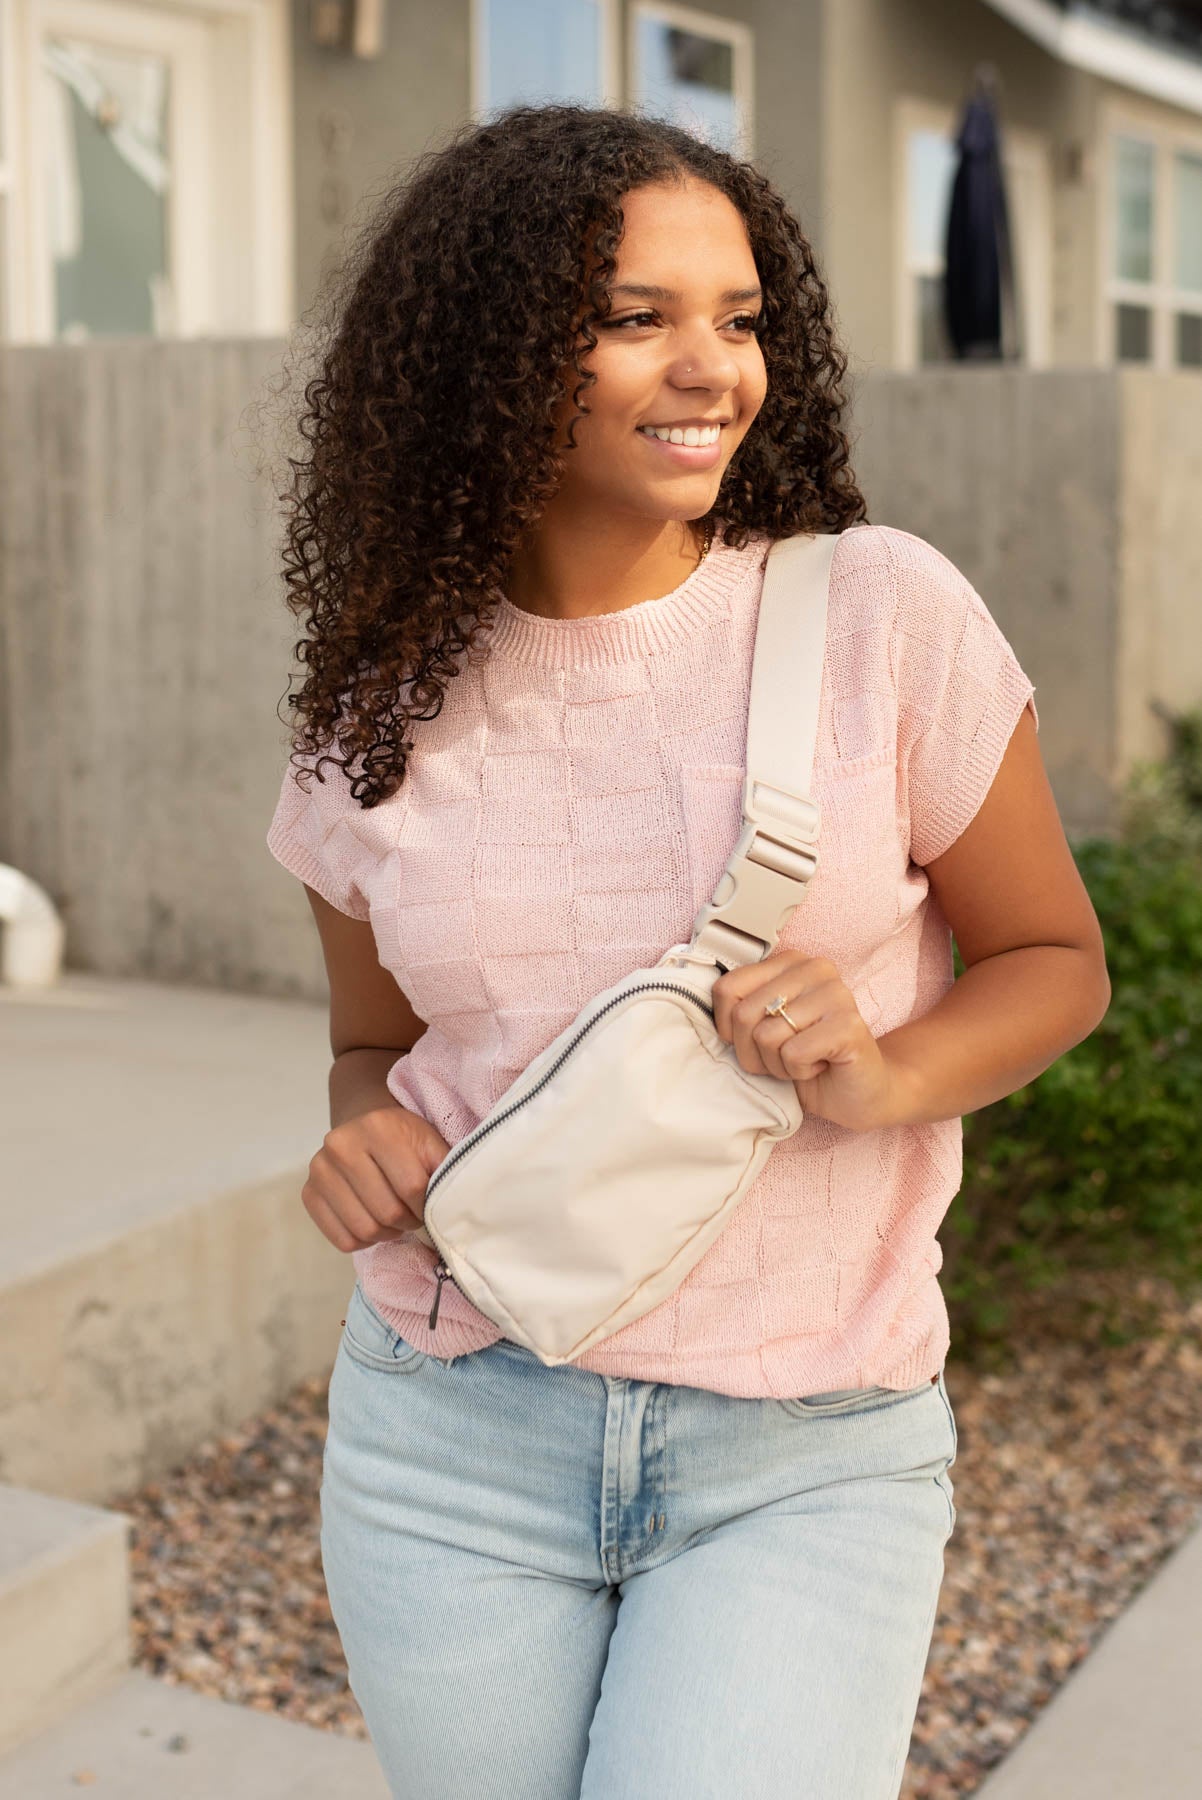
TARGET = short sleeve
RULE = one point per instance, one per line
(960, 690)
(313, 835)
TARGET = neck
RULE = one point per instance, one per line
(574, 571)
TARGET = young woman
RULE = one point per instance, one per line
(705, 1558)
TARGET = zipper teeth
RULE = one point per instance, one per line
(671, 987)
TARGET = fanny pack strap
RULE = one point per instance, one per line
(767, 871)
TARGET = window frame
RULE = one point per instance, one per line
(478, 23)
(740, 37)
(1161, 296)
(230, 281)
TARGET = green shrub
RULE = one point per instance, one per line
(1094, 1165)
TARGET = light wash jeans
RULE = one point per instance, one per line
(557, 1585)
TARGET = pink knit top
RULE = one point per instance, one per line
(559, 824)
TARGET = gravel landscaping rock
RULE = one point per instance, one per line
(1079, 1471)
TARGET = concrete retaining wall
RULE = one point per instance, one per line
(119, 1362)
(147, 646)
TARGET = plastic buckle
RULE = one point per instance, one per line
(764, 879)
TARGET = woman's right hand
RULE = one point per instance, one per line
(367, 1183)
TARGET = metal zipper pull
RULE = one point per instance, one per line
(441, 1271)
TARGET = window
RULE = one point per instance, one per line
(1134, 192)
(108, 189)
(1134, 237)
(145, 177)
(686, 66)
(1187, 193)
(1154, 255)
(695, 70)
(926, 162)
(930, 171)
(543, 50)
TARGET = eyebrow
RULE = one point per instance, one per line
(644, 292)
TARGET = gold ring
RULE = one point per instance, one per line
(776, 1008)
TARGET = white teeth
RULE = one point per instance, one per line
(691, 434)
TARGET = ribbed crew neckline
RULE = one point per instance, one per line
(631, 631)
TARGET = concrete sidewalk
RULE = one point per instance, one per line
(145, 1740)
(1127, 1724)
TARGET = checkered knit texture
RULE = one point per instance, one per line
(560, 823)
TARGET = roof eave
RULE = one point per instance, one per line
(1102, 47)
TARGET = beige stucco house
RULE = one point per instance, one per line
(189, 167)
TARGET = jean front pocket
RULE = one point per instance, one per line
(838, 1401)
(368, 1338)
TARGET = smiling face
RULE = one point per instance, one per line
(679, 351)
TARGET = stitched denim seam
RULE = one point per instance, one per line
(379, 1359)
(951, 1418)
(944, 1481)
(885, 1396)
(373, 1358)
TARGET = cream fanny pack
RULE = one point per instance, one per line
(604, 1173)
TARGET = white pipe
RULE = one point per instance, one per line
(31, 932)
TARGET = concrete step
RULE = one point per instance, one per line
(160, 1279)
(1127, 1724)
(143, 1739)
(64, 1607)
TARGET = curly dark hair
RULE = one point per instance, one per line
(447, 340)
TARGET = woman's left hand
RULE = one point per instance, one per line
(831, 1058)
